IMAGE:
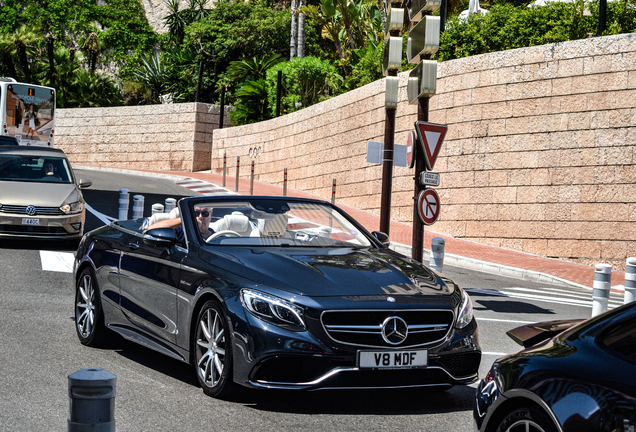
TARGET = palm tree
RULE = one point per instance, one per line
(152, 73)
(251, 69)
(22, 43)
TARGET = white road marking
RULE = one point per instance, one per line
(57, 261)
(506, 321)
(102, 217)
(494, 354)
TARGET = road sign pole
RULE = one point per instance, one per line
(387, 170)
(417, 242)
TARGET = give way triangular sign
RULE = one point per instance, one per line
(430, 136)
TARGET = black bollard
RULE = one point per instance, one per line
(92, 393)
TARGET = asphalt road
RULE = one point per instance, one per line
(155, 393)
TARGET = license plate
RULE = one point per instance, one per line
(30, 221)
(392, 359)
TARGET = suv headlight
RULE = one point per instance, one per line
(74, 207)
(465, 315)
(274, 310)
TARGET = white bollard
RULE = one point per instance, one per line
(437, 254)
(630, 280)
(602, 285)
(138, 207)
(170, 204)
(123, 204)
(157, 208)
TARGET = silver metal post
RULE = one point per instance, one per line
(224, 166)
(138, 207)
(238, 162)
(285, 183)
(333, 192)
(92, 393)
(123, 204)
(630, 280)
(170, 204)
(601, 288)
(437, 254)
(252, 180)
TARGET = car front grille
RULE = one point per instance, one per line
(364, 328)
(459, 364)
(21, 210)
(28, 229)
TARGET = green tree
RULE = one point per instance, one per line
(21, 43)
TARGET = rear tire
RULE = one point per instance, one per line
(213, 351)
(526, 419)
(89, 316)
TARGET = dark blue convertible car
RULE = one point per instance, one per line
(274, 292)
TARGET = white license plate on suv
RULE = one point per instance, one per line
(392, 359)
(30, 221)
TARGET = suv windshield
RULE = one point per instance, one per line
(275, 223)
(32, 168)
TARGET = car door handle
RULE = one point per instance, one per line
(133, 246)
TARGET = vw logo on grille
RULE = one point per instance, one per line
(394, 330)
(30, 210)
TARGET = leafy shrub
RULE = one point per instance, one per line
(306, 80)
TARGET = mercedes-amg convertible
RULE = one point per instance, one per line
(274, 292)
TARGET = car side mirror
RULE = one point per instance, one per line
(160, 237)
(382, 238)
(85, 183)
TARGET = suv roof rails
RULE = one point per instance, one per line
(7, 79)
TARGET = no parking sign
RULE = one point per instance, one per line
(428, 206)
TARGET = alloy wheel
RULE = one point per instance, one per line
(85, 306)
(525, 425)
(210, 347)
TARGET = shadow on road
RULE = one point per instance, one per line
(377, 402)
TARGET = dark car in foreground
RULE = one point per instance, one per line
(288, 293)
(39, 194)
(8, 140)
(574, 376)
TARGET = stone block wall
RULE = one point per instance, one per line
(172, 137)
(539, 156)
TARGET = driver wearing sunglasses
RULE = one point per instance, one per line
(203, 217)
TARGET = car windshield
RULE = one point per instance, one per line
(275, 223)
(33, 168)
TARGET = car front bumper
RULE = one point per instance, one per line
(65, 227)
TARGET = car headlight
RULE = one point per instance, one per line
(274, 310)
(74, 207)
(465, 315)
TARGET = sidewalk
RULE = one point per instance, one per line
(458, 252)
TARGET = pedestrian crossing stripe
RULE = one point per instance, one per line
(567, 298)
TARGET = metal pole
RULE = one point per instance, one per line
(630, 280)
(333, 192)
(138, 207)
(224, 167)
(601, 288)
(222, 112)
(92, 393)
(238, 159)
(387, 167)
(602, 12)
(279, 90)
(437, 254)
(196, 97)
(443, 13)
(285, 182)
(417, 242)
(252, 179)
(123, 204)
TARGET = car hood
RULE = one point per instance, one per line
(37, 194)
(331, 272)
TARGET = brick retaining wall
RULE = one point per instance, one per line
(173, 137)
(539, 156)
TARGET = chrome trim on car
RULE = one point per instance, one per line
(340, 369)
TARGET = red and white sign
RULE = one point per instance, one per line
(411, 149)
(431, 137)
(428, 205)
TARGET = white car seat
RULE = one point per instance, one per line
(273, 227)
(236, 222)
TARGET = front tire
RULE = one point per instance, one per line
(213, 351)
(89, 317)
(526, 419)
